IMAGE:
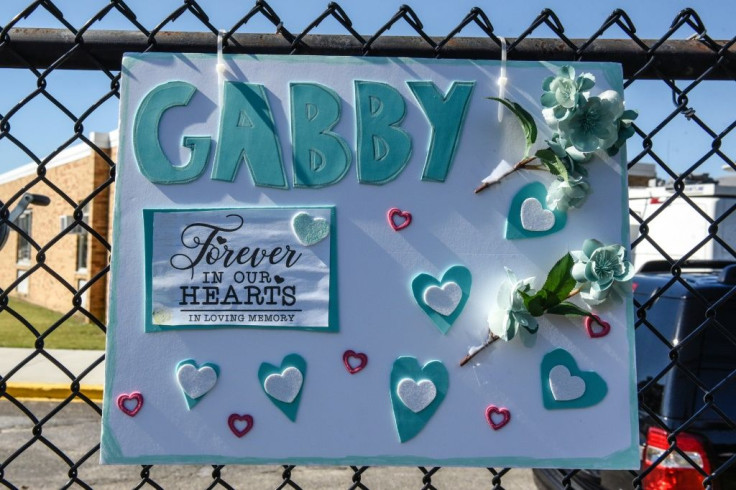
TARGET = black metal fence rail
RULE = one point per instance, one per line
(685, 52)
(645, 59)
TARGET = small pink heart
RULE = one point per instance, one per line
(393, 213)
(593, 332)
(124, 401)
(240, 425)
(354, 368)
(492, 416)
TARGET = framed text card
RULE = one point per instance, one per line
(370, 261)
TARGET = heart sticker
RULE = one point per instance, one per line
(404, 218)
(564, 385)
(347, 359)
(596, 327)
(416, 394)
(534, 217)
(528, 214)
(497, 417)
(195, 382)
(443, 300)
(130, 404)
(240, 425)
(309, 230)
(283, 384)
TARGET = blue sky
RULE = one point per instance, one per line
(42, 127)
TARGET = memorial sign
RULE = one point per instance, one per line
(370, 261)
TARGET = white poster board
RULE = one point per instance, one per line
(300, 263)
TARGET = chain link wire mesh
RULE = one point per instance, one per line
(41, 52)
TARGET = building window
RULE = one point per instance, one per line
(22, 287)
(82, 239)
(82, 242)
(24, 246)
(80, 284)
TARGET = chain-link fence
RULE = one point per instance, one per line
(683, 59)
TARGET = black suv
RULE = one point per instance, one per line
(686, 369)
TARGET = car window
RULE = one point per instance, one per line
(718, 362)
(652, 355)
(710, 356)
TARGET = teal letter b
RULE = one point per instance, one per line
(321, 157)
(383, 147)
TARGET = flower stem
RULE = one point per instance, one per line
(513, 169)
(473, 352)
(492, 338)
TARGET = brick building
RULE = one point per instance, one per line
(76, 256)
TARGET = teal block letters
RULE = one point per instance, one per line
(321, 157)
(446, 115)
(152, 161)
(383, 147)
(248, 132)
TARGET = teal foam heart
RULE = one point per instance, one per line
(309, 230)
(409, 423)
(458, 274)
(595, 388)
(515, 229)
(291, 361)
(191, 402)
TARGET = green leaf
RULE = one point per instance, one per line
(525, 119)
(553, 163)
(559, 282)
(545, 154)
(534, 303)
(526, 297)
(556, 288)
(567, 308)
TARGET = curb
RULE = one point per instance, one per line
(50, 391)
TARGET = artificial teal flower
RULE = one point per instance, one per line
(563, 93)
(565, 194)
(594, 125)
(569, 155)
(625, 131)
(599, 267)
(510, 314)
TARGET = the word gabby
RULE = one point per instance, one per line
(247, 132)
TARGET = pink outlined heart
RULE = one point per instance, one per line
(493, 421)
(125, 397)
(350, 354)
(593, 332)
(235, 418)
(393, 213)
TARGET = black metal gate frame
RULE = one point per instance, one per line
(697, 59)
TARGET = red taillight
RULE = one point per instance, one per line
(674, 472)
(655, 200)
